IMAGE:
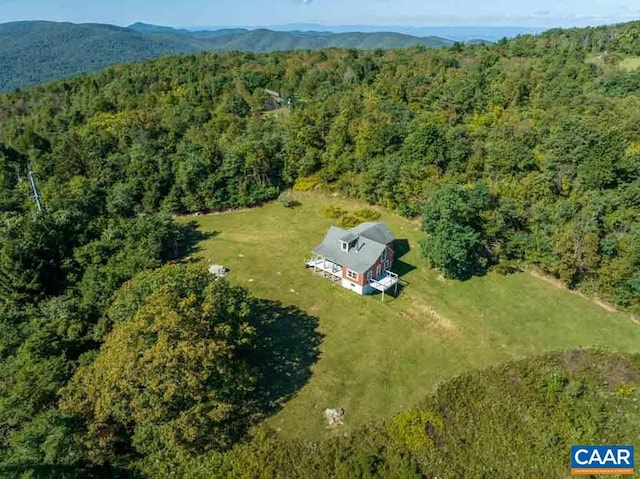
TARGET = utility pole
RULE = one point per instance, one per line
(34, 188)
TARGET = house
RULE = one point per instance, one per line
(358, 259)
(274, 94)
(274, 100)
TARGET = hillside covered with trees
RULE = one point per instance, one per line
(544, 130)
(37, 52)
(523, 152)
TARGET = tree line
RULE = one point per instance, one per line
(524, 151)
(546, 126)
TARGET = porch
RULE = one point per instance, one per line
(385, 282)
(325, 268)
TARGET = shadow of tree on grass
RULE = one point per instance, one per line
(287, 347)
(188, 238)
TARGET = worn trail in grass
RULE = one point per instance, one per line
(376, 358)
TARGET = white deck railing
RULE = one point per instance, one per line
(324, 265)
(384, 283)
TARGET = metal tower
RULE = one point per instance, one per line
(34, 188)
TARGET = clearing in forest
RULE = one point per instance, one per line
(379, 358)
(630, 63)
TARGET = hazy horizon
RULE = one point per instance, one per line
(450, 32)
(542, 14)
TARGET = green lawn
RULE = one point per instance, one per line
(377, 359)
(630, 64)
(282, 113)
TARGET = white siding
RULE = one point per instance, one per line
(350, 285)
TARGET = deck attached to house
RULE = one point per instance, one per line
(325, 266)
(386, 282)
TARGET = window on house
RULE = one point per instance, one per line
(369, 275)
(345, 245)
(387, 264)
(384, 254)
(352, 275)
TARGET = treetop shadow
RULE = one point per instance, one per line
(189, 235)
(287, 348)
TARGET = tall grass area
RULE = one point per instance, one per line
(378, 359)
(514, 420)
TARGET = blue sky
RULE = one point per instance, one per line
(330, 12)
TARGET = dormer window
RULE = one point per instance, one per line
(348, 242)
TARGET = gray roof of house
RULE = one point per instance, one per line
(348, 237)
(372, 240)
(378, 232)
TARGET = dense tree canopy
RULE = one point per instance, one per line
(33, 52)
(525, 151)
(547, 123)
(453, 220)
(171, 378)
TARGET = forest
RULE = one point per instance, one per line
(33, 52)
(526, 152)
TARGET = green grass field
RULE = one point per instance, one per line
(378, 358)
(282, 113)
(630, 64)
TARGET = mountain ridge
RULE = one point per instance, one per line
(33, 52)
(460, 33)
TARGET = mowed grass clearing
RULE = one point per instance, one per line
(630, 64)
(379, 358)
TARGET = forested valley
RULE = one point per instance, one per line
(522, 153)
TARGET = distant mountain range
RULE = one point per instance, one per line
(37, 52)
(459, 33)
